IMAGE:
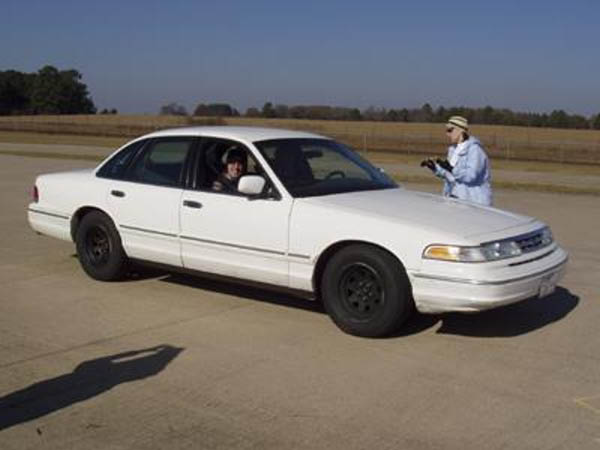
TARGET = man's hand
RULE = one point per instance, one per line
(444, 164)
(429, 164)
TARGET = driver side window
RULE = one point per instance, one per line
(220, 165)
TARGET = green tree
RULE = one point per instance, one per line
(558, 119)
(252, 112)
(427, 113)
(268, 111)
(173, 109)
(15, 88)
(60, 92)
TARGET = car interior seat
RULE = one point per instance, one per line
(291, 165)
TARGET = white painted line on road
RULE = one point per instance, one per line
(592, 403)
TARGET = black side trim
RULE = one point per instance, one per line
(226, 244)
(296, 255)
(144, 230)
(307, 295)
(58, 216)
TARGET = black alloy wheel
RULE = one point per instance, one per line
(366, 291)
(361, 291)
(99, 247)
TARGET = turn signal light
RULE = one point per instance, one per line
(35, 195)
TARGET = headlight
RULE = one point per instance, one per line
(547, 237)
(487, 252)
(501, 249)
(454, 253)
(491, 251)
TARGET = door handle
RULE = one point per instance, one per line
(192, 204)
(116, 193)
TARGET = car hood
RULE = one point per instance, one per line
(426, 211)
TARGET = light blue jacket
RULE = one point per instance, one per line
(470, 178)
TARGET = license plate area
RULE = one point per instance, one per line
(547, 285)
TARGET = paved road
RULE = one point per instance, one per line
(166, 361)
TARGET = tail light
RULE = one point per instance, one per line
(35, 195)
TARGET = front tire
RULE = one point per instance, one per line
(99, 248)
(366, 291)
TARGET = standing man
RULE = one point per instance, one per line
(466, 172)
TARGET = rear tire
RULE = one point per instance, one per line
(366, 291)
(99, 248)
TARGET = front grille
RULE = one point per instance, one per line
(530, 242)
(537, 258)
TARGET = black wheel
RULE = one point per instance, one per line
(366, 291)
(99, 247)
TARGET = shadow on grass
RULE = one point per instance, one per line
(89, 379)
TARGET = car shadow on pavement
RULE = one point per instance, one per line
(262, 293)
(512, 320)
(138, 272)
(88, 379)
(506, 321)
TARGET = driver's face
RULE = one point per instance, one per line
(235, 169)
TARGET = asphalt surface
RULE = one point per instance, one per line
(170, 361)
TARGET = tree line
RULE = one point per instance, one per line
(486, 115)
(53, 91)
(48, 91)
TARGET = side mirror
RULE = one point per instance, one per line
(251, 184)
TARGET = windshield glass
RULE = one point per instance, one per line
(311, 167)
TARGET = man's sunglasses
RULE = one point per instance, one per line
(449, 130)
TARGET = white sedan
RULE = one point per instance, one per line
(307, 214)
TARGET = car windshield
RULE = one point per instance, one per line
(312, 167)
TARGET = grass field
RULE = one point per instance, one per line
(522, 158)
(501, 142)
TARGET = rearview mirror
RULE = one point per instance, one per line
(251, 184)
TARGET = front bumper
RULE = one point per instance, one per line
(437, 293)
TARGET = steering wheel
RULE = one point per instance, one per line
(335, 173)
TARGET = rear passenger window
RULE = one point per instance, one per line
(162, 162)
(116, 167)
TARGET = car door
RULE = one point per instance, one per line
(145, 204)
(229, 233)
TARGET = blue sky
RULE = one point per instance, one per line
(138, 55)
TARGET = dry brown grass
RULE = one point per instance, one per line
(402, 165)
(501, 142)
(67, 139)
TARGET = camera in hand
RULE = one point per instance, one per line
(444, 164)
(429, 164)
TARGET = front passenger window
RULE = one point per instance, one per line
(162, 163)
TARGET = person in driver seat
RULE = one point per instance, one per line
(236, 163)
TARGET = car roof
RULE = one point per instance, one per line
(251, 134)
